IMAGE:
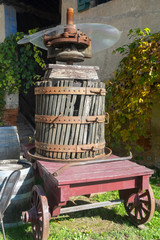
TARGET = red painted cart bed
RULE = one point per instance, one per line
(130, 178)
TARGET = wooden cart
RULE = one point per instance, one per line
(130, 178)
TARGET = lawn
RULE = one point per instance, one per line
(98, 224)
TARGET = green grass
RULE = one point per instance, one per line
(109, 223)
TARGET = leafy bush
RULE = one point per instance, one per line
(131, 93)
(17, 63)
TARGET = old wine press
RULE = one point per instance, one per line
(70, 154)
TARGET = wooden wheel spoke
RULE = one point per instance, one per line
(143, 195)
(132, 207)
(141, 213)
(37, 201)
(144, 201)
(146, 211)
(136, 213)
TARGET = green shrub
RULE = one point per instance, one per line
(131, 93)
(18, 64)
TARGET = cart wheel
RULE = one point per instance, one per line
(39, 202)
(140, 206)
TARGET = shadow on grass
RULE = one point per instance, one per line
(109, 214)
(18, 233)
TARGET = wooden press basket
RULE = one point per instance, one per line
(70, 114)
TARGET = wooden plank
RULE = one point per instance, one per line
(60, 126)
(44, 105)
(73, 67)
(51, 112)
(91, 130)
(96, 109)
(53, 129)
(77, 139)
(66, 113)
(74, 126)
(58, 71)
(37, 112)
(41, 109)
(65, 105)
(86, 112)
(93, 172)
(116, 166)
(68, 127)
(48, 112)
(59, 106)
(99, 177)
(98, 125)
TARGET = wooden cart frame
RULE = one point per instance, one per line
(129, 178)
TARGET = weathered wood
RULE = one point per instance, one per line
(69, 105)
(72, 72)
(90, 140)
(98, 172)
(68, 126)
(79, 127)
(76, 128)
(51, 136)
(48, 112)
(59, 108)
(63, 126)
(85, 127)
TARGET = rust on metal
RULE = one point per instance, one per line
(39, 214)
(70, 46)
(70, 16)
(70, 148)
(36, 156)
(70, 90)
(69, 119)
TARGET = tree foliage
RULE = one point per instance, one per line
(130, 94)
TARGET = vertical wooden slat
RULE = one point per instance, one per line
(74, 127)
(66, 127)
(60, 128)
(78, 138)
(95, 111)
(59, 107)
(52, 110)
(86, 111)
(69, 134)
(48, 112)
(90, 134)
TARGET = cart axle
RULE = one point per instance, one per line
(90, 206)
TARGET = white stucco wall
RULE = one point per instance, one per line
(2, 23)
(122, 14)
